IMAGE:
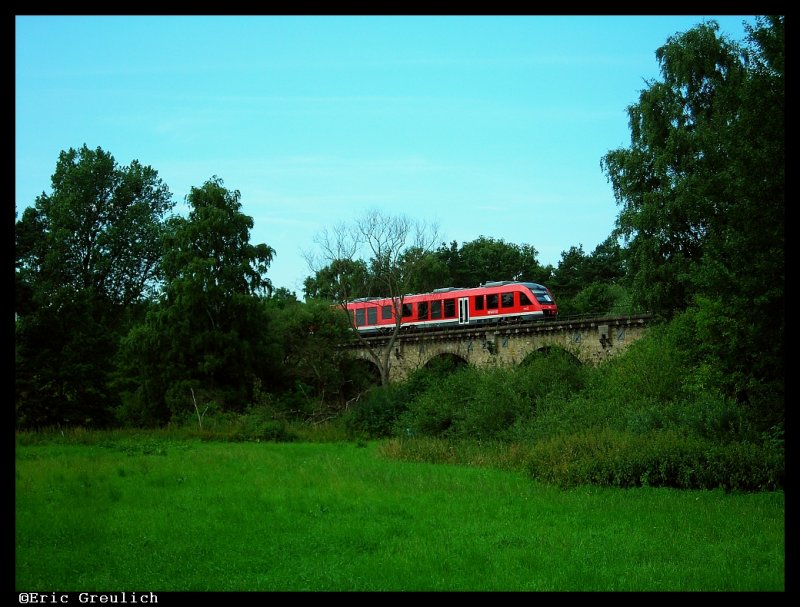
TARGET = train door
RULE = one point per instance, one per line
(463, 310)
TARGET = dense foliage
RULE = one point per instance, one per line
(593, 284)
(86, 259)
(129, 315)
(643, 418)
(202, 338)
(703, 199)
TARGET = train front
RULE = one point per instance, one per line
(544, 298)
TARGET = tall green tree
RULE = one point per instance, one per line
(315, 375)
(591, 284)
(607, 262)
(205, 339)
(341, 279)
(570, 275)
(87, 257)
(706, 159)
(437, 270)
(702, 194)
(486, 259)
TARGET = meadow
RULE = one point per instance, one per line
(142, 512)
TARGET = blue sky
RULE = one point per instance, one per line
(483, 125)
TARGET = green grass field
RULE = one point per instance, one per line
(153, 514)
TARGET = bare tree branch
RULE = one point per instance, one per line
(392, 247)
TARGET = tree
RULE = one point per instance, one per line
(699, 168)
(607, 262)
(313, 378)
(340, 279)
(392, 248)
(702, 194)
(591, 284)
(207, 333)
(488, 259)
(570, 275)
(86, 259)
(435, 269)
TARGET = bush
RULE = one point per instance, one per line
(653, 368)
(553, 372)
(657, 459)
(375, 414)
(257, 427)
(495, 404)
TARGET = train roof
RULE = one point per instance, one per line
(444, 290)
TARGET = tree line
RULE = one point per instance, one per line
(127, 313)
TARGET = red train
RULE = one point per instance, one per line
(491, 302)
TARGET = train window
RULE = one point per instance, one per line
(541, 294)
(507, 300)
(479, 302)
(386, 312)
(436, 308)
(491, 301)
(449, 308)
(422, 310)
(407, 310)
(523, 300)
(360, 317)
(372, 315)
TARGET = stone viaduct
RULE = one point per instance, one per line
(590, 340)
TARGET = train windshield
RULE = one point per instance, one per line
(539, 292)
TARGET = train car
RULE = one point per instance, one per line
(492, 302)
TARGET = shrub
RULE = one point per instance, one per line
(553, 372)
(467, 404)
(652, 369)
(666, 458)
(375, 414)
